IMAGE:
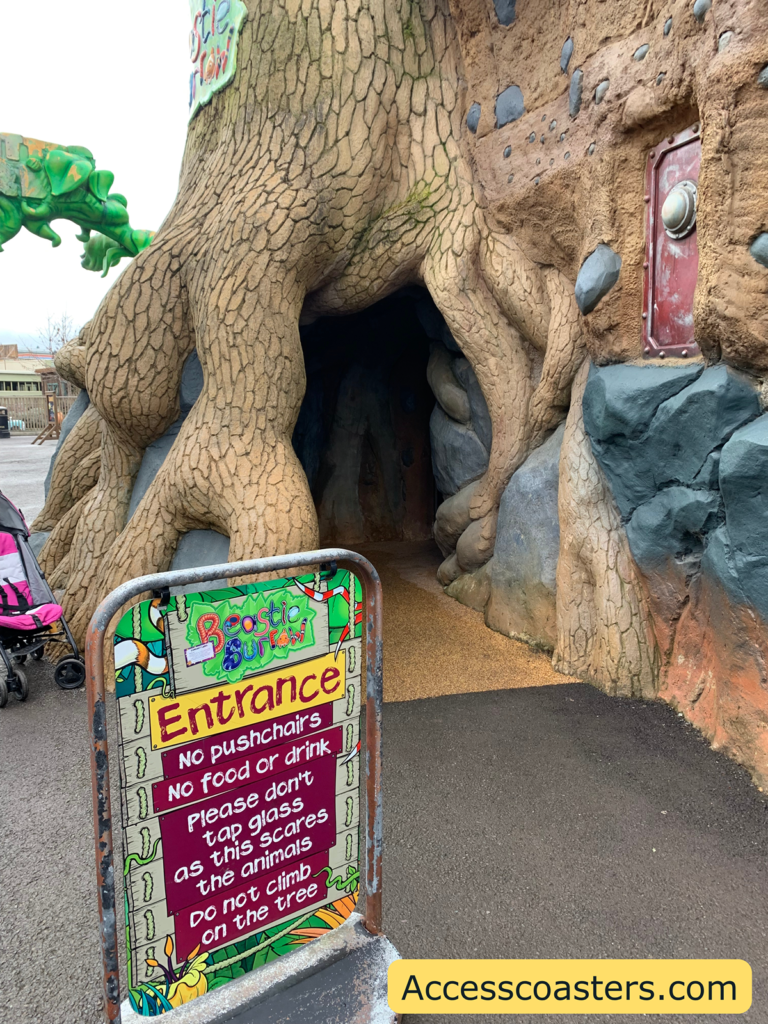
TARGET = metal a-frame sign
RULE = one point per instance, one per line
(238, 721)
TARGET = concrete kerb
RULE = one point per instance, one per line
(272, 979)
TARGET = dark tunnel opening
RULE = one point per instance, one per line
(363, 432)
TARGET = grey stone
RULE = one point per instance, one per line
(507, 152)
(601, 90)
(660, 77)
(574, 92)
(505, 11)
(473, 117)
(153, 458)
(762, 78)
(724, 41)
(667, 26)
(700, 8)
(565, 55)
(481, 420)
(509, 105)
(682, 433)
(522, 598)
(744, 486)
(666, 533)
(458, 455)
(155, 454)
(76, 410)
(641, 52)
(598, 274)
(191, 383)
(717, 563)
(709, 474)
(623, 399)
(759, 249)
(201, 547)
(591, 148)
(37, 541)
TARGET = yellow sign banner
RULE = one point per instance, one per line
(221, 708)
(570, 986)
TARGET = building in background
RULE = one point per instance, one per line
(27, 379)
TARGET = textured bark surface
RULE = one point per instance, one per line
(329, 174)
(339, 167)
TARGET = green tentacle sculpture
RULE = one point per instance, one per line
(41, 182)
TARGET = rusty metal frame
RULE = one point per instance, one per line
(97, 717)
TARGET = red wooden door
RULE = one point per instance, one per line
(671, 249)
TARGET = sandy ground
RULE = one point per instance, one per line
(435, 646)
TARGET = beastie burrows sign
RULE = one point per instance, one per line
(213, 36)
(239, 724)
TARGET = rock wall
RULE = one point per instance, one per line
(685, 451)
(523, 586)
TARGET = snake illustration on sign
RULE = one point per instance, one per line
(216, 25)
(239, 729)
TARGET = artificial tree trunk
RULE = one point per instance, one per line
(330, 173)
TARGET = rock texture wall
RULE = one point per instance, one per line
(683, 449)
(493, 153)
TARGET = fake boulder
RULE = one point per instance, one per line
(522, 591)
(458, 454)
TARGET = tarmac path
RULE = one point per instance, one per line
(527, 821)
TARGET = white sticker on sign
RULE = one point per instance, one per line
(199, 654)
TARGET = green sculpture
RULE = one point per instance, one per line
(41, 182)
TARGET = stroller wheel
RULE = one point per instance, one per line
(3, 692)
(69, 673)
(20, 685)
(20, 659)
(38, 654)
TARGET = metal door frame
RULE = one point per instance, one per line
(97, 718)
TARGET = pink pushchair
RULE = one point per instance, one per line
(30, 618)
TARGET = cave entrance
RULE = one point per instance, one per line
(363, 432)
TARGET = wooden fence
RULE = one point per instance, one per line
(28, 411)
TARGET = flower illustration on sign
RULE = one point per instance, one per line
(236, 638)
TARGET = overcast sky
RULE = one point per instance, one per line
(111, 76)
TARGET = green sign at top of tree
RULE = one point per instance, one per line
(41, 182)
